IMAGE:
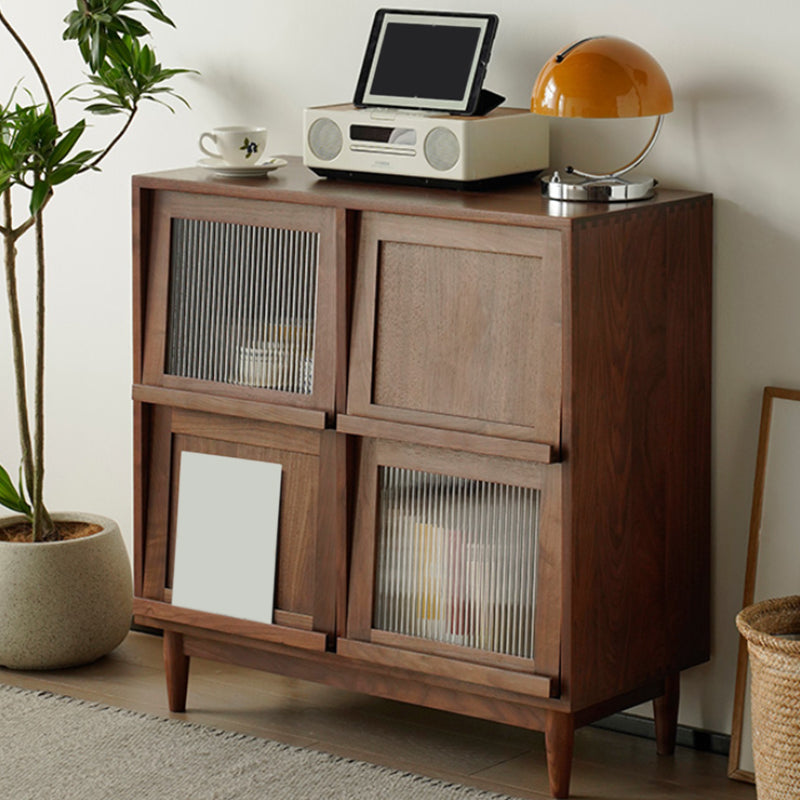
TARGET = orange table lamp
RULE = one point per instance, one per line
(602, 77)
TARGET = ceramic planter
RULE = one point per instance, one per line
(63, 603)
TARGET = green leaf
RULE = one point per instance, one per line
(20, 487)
(61, 174)
(146, 60)
(120, 52)
(6, 157)
(67, 142)
(98, 50)
(131, 26)
(104, 108)
(39, 194)
(161, 102)
(68, 92)
(155, 11)
(10, 497)
(73, 26)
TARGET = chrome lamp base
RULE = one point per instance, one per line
(605, 189)
(609, 187)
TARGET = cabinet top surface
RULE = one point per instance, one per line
(520, 204)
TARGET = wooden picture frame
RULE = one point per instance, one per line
(768, 572)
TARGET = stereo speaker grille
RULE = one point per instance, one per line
(442, 149)
(325, 139)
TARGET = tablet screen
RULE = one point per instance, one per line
(426, 60)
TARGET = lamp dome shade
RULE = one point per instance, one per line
(602, 77)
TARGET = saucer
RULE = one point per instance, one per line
(219, 167)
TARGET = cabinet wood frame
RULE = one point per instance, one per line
(624, 465)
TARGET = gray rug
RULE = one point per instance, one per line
(59, 748)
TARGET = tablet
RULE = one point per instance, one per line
(428, 60)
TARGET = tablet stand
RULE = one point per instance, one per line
(487, 101)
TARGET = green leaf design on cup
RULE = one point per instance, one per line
(250, 147)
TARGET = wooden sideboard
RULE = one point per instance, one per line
(492, 414)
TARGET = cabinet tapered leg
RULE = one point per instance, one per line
(665, 713)
(559, 735)
(176, 667)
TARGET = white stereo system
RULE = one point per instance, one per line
(424, 147)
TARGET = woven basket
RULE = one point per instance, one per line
(775, 694)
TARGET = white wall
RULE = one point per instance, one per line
(734, 132)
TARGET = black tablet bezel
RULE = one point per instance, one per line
(363, 98)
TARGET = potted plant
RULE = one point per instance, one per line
(65, 579)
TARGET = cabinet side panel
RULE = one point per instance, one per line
(616, 456)
(689, 298)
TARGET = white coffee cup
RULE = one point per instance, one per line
(237, 145)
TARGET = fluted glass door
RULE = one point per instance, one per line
(242, 305)
(456, 560)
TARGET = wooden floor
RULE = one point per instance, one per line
(433, 743)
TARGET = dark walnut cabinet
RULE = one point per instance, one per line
(492, 415)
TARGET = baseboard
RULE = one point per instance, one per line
(708, 741)
(135, 626)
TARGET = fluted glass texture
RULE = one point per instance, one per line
(242, 305)
(456, 560)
